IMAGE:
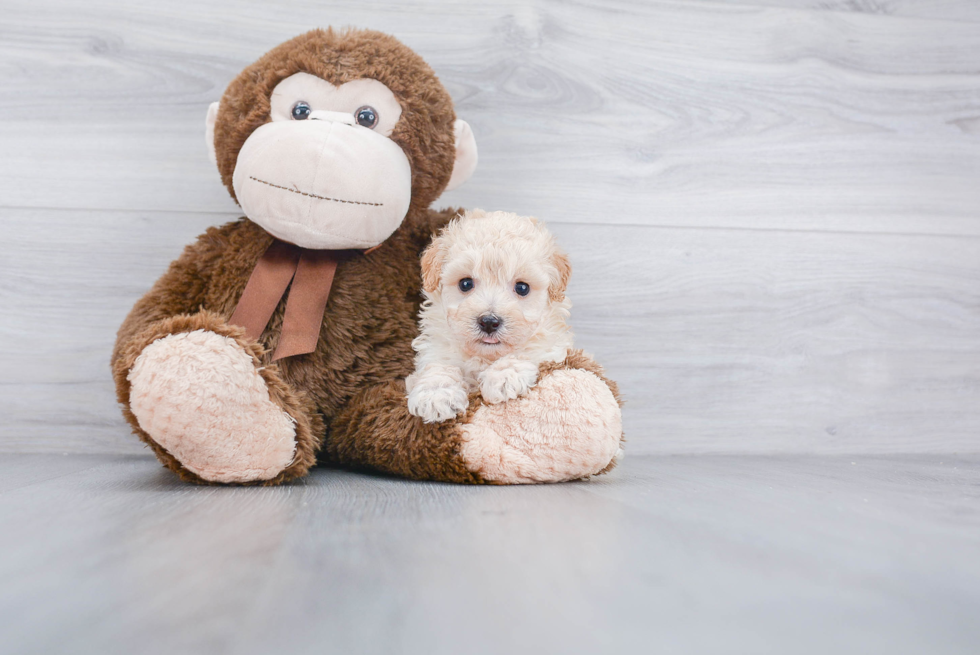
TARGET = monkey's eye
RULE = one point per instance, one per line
(466, 284)
(522, 288)
(366, 116)
(301, 111)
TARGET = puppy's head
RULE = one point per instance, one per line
(501, 279)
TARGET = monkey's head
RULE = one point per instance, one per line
(330, 139)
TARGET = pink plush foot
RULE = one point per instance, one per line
(198, 395)
(567, 427)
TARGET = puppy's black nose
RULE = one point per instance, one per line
(490, 323)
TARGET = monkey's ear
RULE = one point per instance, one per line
(209, 131)
(432, 260)
(563, 271)
(466, 156)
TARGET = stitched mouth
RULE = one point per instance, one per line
(313, 195)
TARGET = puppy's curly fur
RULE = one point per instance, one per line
(494, 310)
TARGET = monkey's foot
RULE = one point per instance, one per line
(199, 395)
(568, 426)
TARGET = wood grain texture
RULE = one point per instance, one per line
(936, 10)
(771, 207)
(723, 340)
(695, 554)
(653, 113)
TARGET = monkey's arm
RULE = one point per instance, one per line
(179, 291)
(567, 427)
(171, 306)
(221, 258)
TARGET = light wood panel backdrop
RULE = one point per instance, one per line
(773, 206)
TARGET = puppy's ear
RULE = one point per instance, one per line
(432, 261)
(559, 282)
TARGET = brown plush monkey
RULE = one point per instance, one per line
(287, 334)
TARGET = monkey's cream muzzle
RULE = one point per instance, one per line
(324, 183)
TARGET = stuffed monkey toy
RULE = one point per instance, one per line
(284, 337)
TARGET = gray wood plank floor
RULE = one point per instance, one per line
(681, 554)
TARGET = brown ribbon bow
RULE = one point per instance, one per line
(311, 273)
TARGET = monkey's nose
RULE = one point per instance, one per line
(332, 116)
(490, 323)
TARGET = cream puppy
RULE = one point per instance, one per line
(495, 308)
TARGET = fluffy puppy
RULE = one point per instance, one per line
(495, 308)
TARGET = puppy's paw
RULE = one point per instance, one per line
(507, 378)
(437, 394)
(435, 405)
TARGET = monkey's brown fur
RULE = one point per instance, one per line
(379, 417)
(347, 397)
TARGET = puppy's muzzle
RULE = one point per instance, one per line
(489, 323)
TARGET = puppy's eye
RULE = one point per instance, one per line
(466, 284)
(301, 111)
(366, 116)
(522, 288)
